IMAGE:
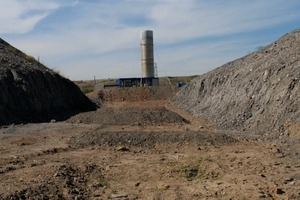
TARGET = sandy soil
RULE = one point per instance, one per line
(147, 150)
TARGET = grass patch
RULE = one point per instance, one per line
(98, 181)
(30, 59)
(87, 89)
(170, 164)
(193, 171)
(10, 49)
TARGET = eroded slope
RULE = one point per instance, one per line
(260, 91)
(30, 92)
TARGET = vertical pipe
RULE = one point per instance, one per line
(147, 55)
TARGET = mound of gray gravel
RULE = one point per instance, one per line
(260, 91)
(30, 92)
(148, 139)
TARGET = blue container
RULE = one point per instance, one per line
(179, 84)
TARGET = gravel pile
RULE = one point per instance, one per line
(129, 116)
(260, 91)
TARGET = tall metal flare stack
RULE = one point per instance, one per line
(147, 56)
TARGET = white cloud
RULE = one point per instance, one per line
(93, 35)
(21, 16)
(179, 20)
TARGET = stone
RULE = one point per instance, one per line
(137, 184)
(279, 191)
(117, 196)
(122, 149)
(262, 175)
(288, 180)
(163, 186)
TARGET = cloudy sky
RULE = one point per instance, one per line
(87, 38)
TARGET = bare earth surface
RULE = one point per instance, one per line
(144, 150)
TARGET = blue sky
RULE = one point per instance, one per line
(87, 38)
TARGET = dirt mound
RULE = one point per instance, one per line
(257, 92)
(136, 93)
(129, 116)
(30, 92)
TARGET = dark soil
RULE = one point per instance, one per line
(30, 92)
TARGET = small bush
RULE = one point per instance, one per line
(86, 90)
(30, 59)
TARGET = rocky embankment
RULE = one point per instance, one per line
(260, 91)
(30, 92)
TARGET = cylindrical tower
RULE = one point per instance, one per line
(147, 55)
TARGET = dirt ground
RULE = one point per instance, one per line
(144, 150)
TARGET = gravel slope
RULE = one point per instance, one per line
(260, 91)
